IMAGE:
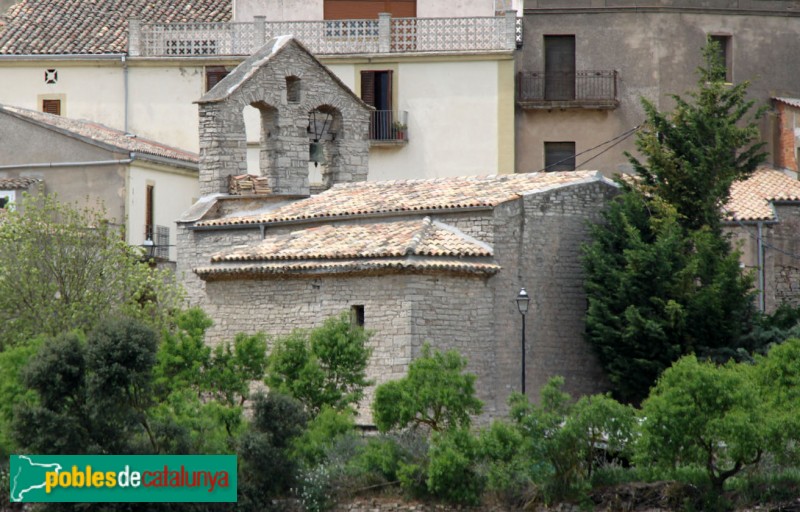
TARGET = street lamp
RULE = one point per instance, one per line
(523, 301)
(149, 248)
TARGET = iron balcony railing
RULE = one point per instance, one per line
(327, 37)
(586, 89)
(388, 126)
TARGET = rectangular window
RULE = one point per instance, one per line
(559, 156)
(376, 91)
(6, 197)
(368, 9)
(357, 316)
(51, 107)
(559, 68)
(148, 212)
(214, 75)
(725, 53)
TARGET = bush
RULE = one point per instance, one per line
(452, 474)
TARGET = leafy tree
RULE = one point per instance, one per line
(778, 376)
(327, 365)
(12, 390)
(436, 393)
(569, 435)
(452, 472)
(661, 278)
(705, 415)
(63, 267)
(267, 470)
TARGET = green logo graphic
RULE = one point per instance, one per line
(123, 478)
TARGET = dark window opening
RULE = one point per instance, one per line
(148, 213)
(724, 48)
(357, 316)
(559, 68)
(292, 89)
(51, 107)
(559, 156)
(214, 75)
(376, 91)
(3, 202)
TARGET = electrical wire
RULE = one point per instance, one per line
(755, 236)
(619, 138)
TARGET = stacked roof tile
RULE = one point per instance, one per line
(102, 134)
(17, 183)
(378, 240)
(352, 199)
(57, 27)
(751, 199)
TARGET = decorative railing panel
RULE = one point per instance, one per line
(329, 37)
(518, 32)
(583, 88)
(449, 34)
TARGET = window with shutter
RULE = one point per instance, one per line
(376, 91)
(559, 67)
(148, 212)
(559, 156)
(214, 75)
(368, 9)
(51, 107)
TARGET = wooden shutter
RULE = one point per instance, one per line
(368, 9)
(214, 75)
(51, 107)
(368, 87)
(559, 67)
(559, 156)
(148, 212)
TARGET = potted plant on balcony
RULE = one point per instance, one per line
(399, 130)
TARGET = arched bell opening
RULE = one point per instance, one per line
(324, 136)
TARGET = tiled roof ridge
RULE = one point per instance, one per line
(753, 199)
(411, 248)
(19, 183)
(105, 135)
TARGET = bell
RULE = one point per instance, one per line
(316, 153)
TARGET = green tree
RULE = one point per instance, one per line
(661, 278)
(327, 365)
(63, 267)
(568, 435)
(706, 415)
(436, 393)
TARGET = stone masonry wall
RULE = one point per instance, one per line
(285, 122)
(557, 224)
(540, 250)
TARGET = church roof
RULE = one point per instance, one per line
(411, 196)
(751, 199)
(59, 27)
(377, 240)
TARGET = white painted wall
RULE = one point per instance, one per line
(174, 193)
(278, 10)
(93, 90)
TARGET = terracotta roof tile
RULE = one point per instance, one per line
(383, 265)
(349, 241)
(52, 27)
(411, 196)
(750, 199)
(17, 183)
(794, 102)
(103, 134)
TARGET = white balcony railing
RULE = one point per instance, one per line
(329, 37)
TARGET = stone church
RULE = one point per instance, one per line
(437, 261)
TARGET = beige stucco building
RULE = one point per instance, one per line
(586, 64)
(441, 80)
(143, 185)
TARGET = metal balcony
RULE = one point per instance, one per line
(388, 128)
(595, 90)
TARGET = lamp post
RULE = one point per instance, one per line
(523, 300)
